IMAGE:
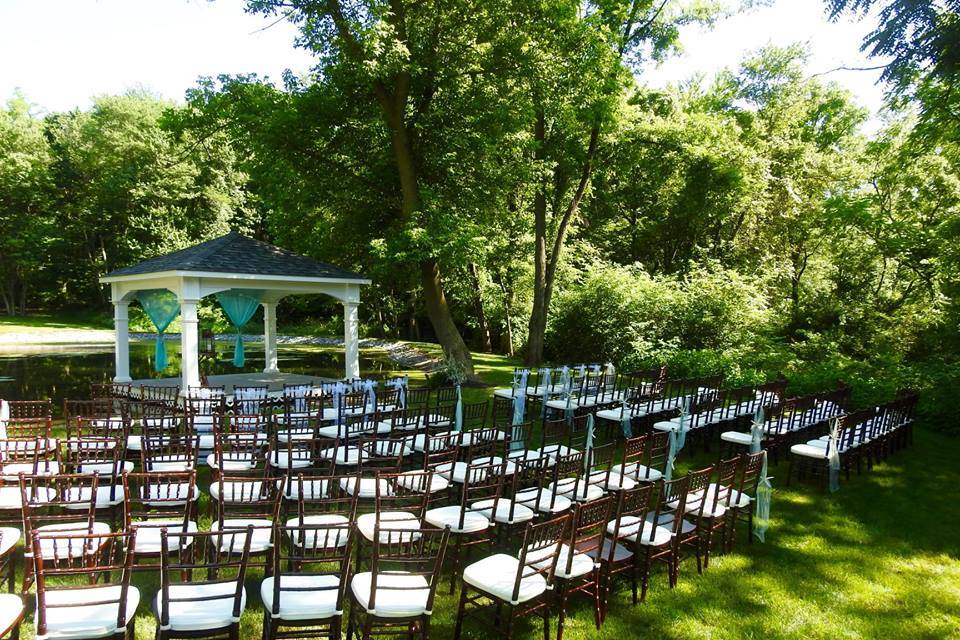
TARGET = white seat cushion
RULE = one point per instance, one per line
(407, 599)
(11, 607)
(312, 489)
(390, 523)
(260, 539)
(457, 472)
(585, 492)
(654, 536)
(107, 496)
(105, 468)
(80, 620)
(169, 495)
(327, 538)
(637, 471)
(344, 455)
(737, 437)
(46, 468)
(620, 552)
(450, 515)
(502, 515)
(666, 520)
(148, 535)
(50, 540)
(579, 565)
(615, 482)
(11, 499)
(233, 462)
(197, 615)
(413, 482)
(9, 537)
(365, 487)
(318, 600)
(284, 460)
(496, 575)
(808, 451)
(546, 503)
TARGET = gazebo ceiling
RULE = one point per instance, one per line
(234, 253)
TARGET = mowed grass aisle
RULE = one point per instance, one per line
(878, 559)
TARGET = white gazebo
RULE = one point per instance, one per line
(229, 262)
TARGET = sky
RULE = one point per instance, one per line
(62, 53)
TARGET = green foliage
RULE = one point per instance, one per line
(625, 315)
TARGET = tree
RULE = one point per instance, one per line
(922, 41)
(419, 62)
(579, 69)
(25, 194)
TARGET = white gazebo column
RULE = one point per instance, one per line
(121, 340)
(270, 337)
(351, 339)
(189, 345)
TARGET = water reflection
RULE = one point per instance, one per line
(67, 371)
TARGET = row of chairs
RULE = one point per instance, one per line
(867, 435)
(663, 521)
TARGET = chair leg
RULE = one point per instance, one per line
(461, 609)
(562, 613)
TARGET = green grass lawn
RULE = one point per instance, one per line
(42, 323)
(878, 559)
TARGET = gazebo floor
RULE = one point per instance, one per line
(274, 381)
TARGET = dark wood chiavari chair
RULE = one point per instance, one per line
(469, 528)
(83, 586)
(66, 507)
(159, 500)
(396, 596)
(485, 591)
(624, 547)
(247, 503)
(304, 595)
(202, 577)
(743, 496)
(579, 568)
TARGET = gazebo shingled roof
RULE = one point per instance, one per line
(236, 253)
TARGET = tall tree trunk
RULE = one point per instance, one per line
(439, 313)
(485, 343)
(538, 315)
(507, 310)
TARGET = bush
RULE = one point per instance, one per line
(624, 315)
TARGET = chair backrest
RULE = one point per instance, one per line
(321, 495)
(87, 456)
(749, 472)
(672, 492)
(440, 449)
(315, 550)
(247, 497)
(240, 452)
(74, 563)
(203, 558)
(658, 449)
(419, 398)
(630, 513)
(697, 493)
(33, 456)
(160, 497)
(30, 419)
(68, 503)
(419, 555)
(169, 452)
(588, 530)
(475, 414)
(540, 551)
(444, 398)
(95, 408)
(250, 400)
(91, 427)
(723, 486)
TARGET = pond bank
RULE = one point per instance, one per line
(399, 352)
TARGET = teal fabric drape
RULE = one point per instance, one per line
(626, 420)
(761, 520)
(671, 456)
(756, 431)
(239, 305)
(162, 307)
(458, 412)
(833, 457)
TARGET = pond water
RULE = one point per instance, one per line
(67, 371)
